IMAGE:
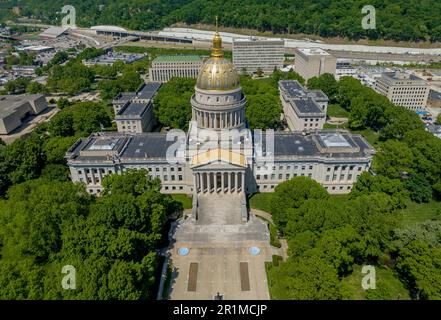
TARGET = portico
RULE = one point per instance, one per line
(219, 171)
(219, 181)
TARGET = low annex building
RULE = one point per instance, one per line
(134, 110)
(303, 109)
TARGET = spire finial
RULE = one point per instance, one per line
(217, 43)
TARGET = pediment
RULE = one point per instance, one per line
(219, 158)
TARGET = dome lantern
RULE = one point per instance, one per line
(217, 73)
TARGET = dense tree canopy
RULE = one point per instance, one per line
(111, 241)
(324, 18)
(172, 103)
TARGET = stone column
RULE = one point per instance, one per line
(243, 182)
(215, 181)
(202, 182)
(229, 182)
(223, 182)
(236, 178)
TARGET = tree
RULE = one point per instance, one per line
(367, 184)
(130, 81)
(400, 121)
(62, 125)
(63, 103)
(55, 149)
(419, 265)
(427, 232)
(259, 72)
(263, 113)
(375, 217)
(172, 103)
(35, 87)
(88, 117)
(292, 194)
(290, 75)
(326, 83)
(309, 278)
(24, 158)
(34, 213)
(71, 78)
(17, 86)
(4, 170)
(394, 159)
(419, 188)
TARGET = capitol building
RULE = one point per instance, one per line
(219, 155)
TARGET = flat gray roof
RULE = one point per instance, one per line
(296, 144)
(286, 144)
(307, 106)
(150, 145)
(318, 95)
(124, 97)
(395, 76)
(148, 90)
(133, 109)
(293, 88)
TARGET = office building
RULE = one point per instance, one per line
(251, 55)
(164, 68)
(404, 90)
(314, 62)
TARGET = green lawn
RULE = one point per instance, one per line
(261, 201)
(421, 212)
(275, 292)
(334, 110)
(184, 199)
(335, 126)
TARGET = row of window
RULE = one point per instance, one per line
(174, 188)
(101, 170)
(165, 177)
(273, 176)
(342, 177)
(271, 187)
(339, 188)
(281, 167)
(307, 119)
(128, 121)
(311, 125)
(164, 169)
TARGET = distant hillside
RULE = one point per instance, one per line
(406, 20)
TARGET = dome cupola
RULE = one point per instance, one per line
(217, 73)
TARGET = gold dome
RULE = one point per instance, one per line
(217, 73)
